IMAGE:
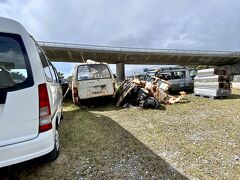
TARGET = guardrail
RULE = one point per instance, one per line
(132, 49)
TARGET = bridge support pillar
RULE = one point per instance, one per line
(120, 69)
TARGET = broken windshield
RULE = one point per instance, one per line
(93, 71)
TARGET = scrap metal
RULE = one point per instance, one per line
(146, 94)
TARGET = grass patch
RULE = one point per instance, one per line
(196, 140)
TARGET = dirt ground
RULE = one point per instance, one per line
(199, 139)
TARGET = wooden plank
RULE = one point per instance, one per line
(212, 92)
(214, 71)
(212, 85)
(126, 90)
(215, 78)
(210, 97)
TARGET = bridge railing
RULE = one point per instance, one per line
(140, 50)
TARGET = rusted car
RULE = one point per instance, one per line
(91, 80)
(181, 78)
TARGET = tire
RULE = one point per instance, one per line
(170, 91)
(75, 101)
(61, 118)
(53, 155)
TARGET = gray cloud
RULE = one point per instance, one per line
(188, 24)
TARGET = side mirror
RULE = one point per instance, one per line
(193, 76)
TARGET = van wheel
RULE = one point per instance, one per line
(53, 155)
(76, 101)
(61, 118)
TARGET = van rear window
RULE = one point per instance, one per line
(93, 71)
(15, 71)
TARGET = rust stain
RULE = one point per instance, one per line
(147, 92)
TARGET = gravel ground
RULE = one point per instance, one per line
(195, 140)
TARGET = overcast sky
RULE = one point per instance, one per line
(180, 24)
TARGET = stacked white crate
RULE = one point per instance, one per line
(213, 82)
(236, 82)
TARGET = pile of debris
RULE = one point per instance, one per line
(146, 94)
(213, 83)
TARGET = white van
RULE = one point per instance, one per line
(30, 98)
(92, 79)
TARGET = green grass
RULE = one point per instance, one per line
(196, 140)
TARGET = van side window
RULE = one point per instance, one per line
(56, 73)
(48, 74)
(45, 65)
(53, 73)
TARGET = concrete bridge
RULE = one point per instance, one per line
(68, 52)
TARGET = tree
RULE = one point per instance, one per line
(198, 67)
(18, 76)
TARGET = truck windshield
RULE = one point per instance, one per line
(13, 58)
(93, 71)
